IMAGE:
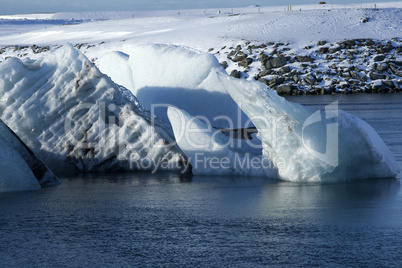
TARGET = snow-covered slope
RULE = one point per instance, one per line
(203, 29)
(69, 113)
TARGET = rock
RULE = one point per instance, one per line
(262, 74)
(275, 62)
(333, 50)
(310, 80)
(365, 20)
(377, 76)
(263, 80)
(273, 52)
(263, 58)
(275, 81)
(398, 63)
(239, 56)
(238, 48)
(285, 69)
(389, 84)
(321, 43)
(211, 49)
(284, 89)
(224, 64)
(393, 68)
(246, 62)
(295, 79)
(370, 42)
(379, 58)
(231, 54)
(382, 67)
(322, 50)
(235, 74)
(305, 59)
(350, 43)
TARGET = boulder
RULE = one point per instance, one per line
(310, 80)
(377, 76)
(382, 67)
(239, 56)
(246, 62)
(379, 58)
(235, 74)
(305, 59)
(284, 89)
(389, 84)
(322, 50)
(262, 74)
(275, 62)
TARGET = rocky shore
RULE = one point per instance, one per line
(349, 66)
(345, 67)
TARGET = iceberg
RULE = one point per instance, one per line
(74, 117)
(303, 145)
(164, 75)
(312, 146)
(20, 169)
(211, 152)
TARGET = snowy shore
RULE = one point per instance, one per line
(313, 49)
(344, 67)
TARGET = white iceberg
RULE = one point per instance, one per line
(72, 115)
(163, 75)
(302, 144)
(211, 152)
(309, 146)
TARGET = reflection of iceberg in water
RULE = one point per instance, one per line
(292, 132)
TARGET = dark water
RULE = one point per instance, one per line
(145, 220)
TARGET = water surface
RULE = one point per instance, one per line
(129, 219)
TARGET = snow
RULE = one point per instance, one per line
(308, 146)
(203, 29)
(73, 116)
(163, 75)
